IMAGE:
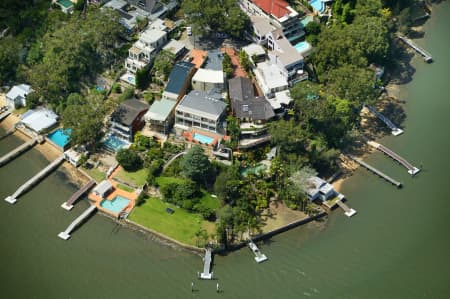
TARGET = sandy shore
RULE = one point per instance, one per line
(49, 151)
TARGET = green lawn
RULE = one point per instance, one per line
(209, 201)
(136, 178)
(125, 188)
(180, 225)
(96, 174)
(164, 180)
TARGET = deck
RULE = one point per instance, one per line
(206, 274)
(394, 129)
(65, 235)
(68, 205)
(17, 151)
(259, 256)
(425, 55)
(411, 169)
(376, 171)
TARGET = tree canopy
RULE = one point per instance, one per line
(196, 165)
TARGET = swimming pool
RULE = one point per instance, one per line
(203, 139)
(116, 205)
(113, 143)
(60, 137)
(302, 47)
(318, 5)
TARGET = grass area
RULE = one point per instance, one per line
(209, 201)
(137, 178)
(125, 188)
(180, 225)
(96, 174)
(164, 180)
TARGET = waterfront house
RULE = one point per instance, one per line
(65, 5)
(129, 14)
(103, 188)
(175, 47)
(255, 52)
(128, 118)
(179, 81)
(319, 189)
(201, 109)
(16, 97)
(208, 79)
(252, 111)
(39, 120)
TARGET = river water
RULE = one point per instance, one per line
(397, 246)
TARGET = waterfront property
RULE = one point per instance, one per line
(65, 5)
(179, 81)
(60, 137)
(129, 15)
(16, 97)
(109, 198)
(39, 120)
(175, 47)
(207, 79)
(202, 110)
(113, 143)
(318, 188)
(128, 118)
(160, 116)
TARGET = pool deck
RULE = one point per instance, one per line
(132, 196)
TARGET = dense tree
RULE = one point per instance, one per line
(9, 59)
(163, 64)
(86, 119)
(227, 66)
(195, 165)
(210, 15)
(129, 159)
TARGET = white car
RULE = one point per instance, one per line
(189, 31)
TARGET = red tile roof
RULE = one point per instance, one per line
(278, 8)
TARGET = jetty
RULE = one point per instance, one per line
(17, 151)
(68, 205)
(411, 169)
(425, 55)
(65, 235)
(376, 171)
(28, 184)
(9, 132)
(349, 212)
(259, 256)
(394, 129)
(206, 274)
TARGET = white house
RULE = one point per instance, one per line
(317, 188)
(16, 97)
(145, 49)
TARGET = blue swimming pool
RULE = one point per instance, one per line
(203, 139)
(302, 47)
(113, 143)
(318, 5)
(116, 205)
(60, 137)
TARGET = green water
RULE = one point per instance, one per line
(397, 246)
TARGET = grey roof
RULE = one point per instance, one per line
(160, 110)
(244, 102)
(214, 60)
(19, 90)
(127, 112)
(102, 188)
(178, 76)
(200, 102)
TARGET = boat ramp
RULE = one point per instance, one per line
(28, 184)
(376, 171)
(394, 129)
(411, 169)
(65, 235)
(259, 256)
(425, 55)
(68, 205)
(207, 260)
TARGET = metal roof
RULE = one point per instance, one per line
(203, 103)
(178, 76)
(127, 111)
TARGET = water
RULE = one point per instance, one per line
(302, 47)
(318, 5)
(114, 143)
(116, 205)
(60, 137)
(203, 139)
(396, 247)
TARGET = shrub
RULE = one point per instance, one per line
(129, 160)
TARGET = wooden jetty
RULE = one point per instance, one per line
(68, 205)
(65, 235)
(349, 212)
(425, 55)
(28, 184)
(394, 129)
(17, 151)
(376, 171)
(411, 169)
(259, 257)
(206, 274)
(4, 114)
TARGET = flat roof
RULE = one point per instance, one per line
(174, 47)
(198, 57)
(160, 110)
(214, 60)
(271, 75)
(200, 102)
(207, 75)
